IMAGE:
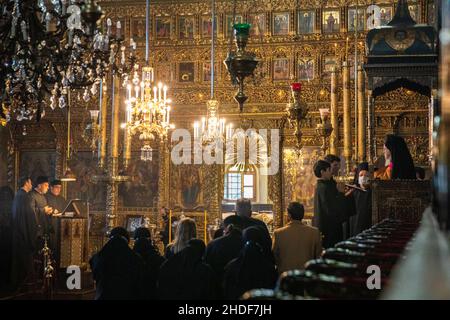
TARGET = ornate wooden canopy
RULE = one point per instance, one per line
(402, 54)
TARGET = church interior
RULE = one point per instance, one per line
(224, 149)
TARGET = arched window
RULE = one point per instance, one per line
(240, 184)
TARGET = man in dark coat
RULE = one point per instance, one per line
(24, 236)
(117, 270)
(329, 205)
(54, 197)
(244, 211)
(222, 250)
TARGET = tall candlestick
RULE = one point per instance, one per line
(116, 117)
(205, 224)
(334, 138)
(170, 226)
(347, 115)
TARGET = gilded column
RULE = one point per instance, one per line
(361, 116)
(347, 115)
(334, 138)
(276, 184)
(112, 186)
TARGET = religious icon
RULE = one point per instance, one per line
(352, 19)
(414, 12)
(190, 187)
(330, 21)
(37, 163)
(84, 166)
(258, 24)
(186, 72)
(206, 26)
(306, 20)
(186, 27)
(306, 69)
(385, 15)
(281, 23)
(134, 222)
(141, 190)
(207, 71)
(162, 27)
(281, 69)
(138, 30)
(229, 23)
(329, 63)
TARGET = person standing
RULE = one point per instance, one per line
(329, 205)
(296, 243)
(24, 236)
(40, 207)
(54, 197)
(362, 220)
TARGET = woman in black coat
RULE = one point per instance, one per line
(253, 269)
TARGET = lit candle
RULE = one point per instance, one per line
(159, 91)
(165, 93)
(154, 93)
(118, 30)
(108, 27)
(195, 130)
(128, 91)
(136, 89)
(142, 90)
(168, 114)
(203, 124)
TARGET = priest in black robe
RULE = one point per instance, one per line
(330, 206)
(24, 236)
(54, 197)
(40, 207)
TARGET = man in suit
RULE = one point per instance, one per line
(296, 243)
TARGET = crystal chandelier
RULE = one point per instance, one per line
(40, 41)
(212, 127)
(147, 105)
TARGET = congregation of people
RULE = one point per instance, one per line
(241, 257)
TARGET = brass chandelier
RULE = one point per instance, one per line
(147, 106)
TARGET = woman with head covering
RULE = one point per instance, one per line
(362, 219)
(252, 269)
(399, 163)
(117, 270)
(185, 276)
(186, 230)
(152, 261)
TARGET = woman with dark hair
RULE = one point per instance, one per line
(362, 220)
(152, 261)
(185, 276)
(252, 269)
(399, 163)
